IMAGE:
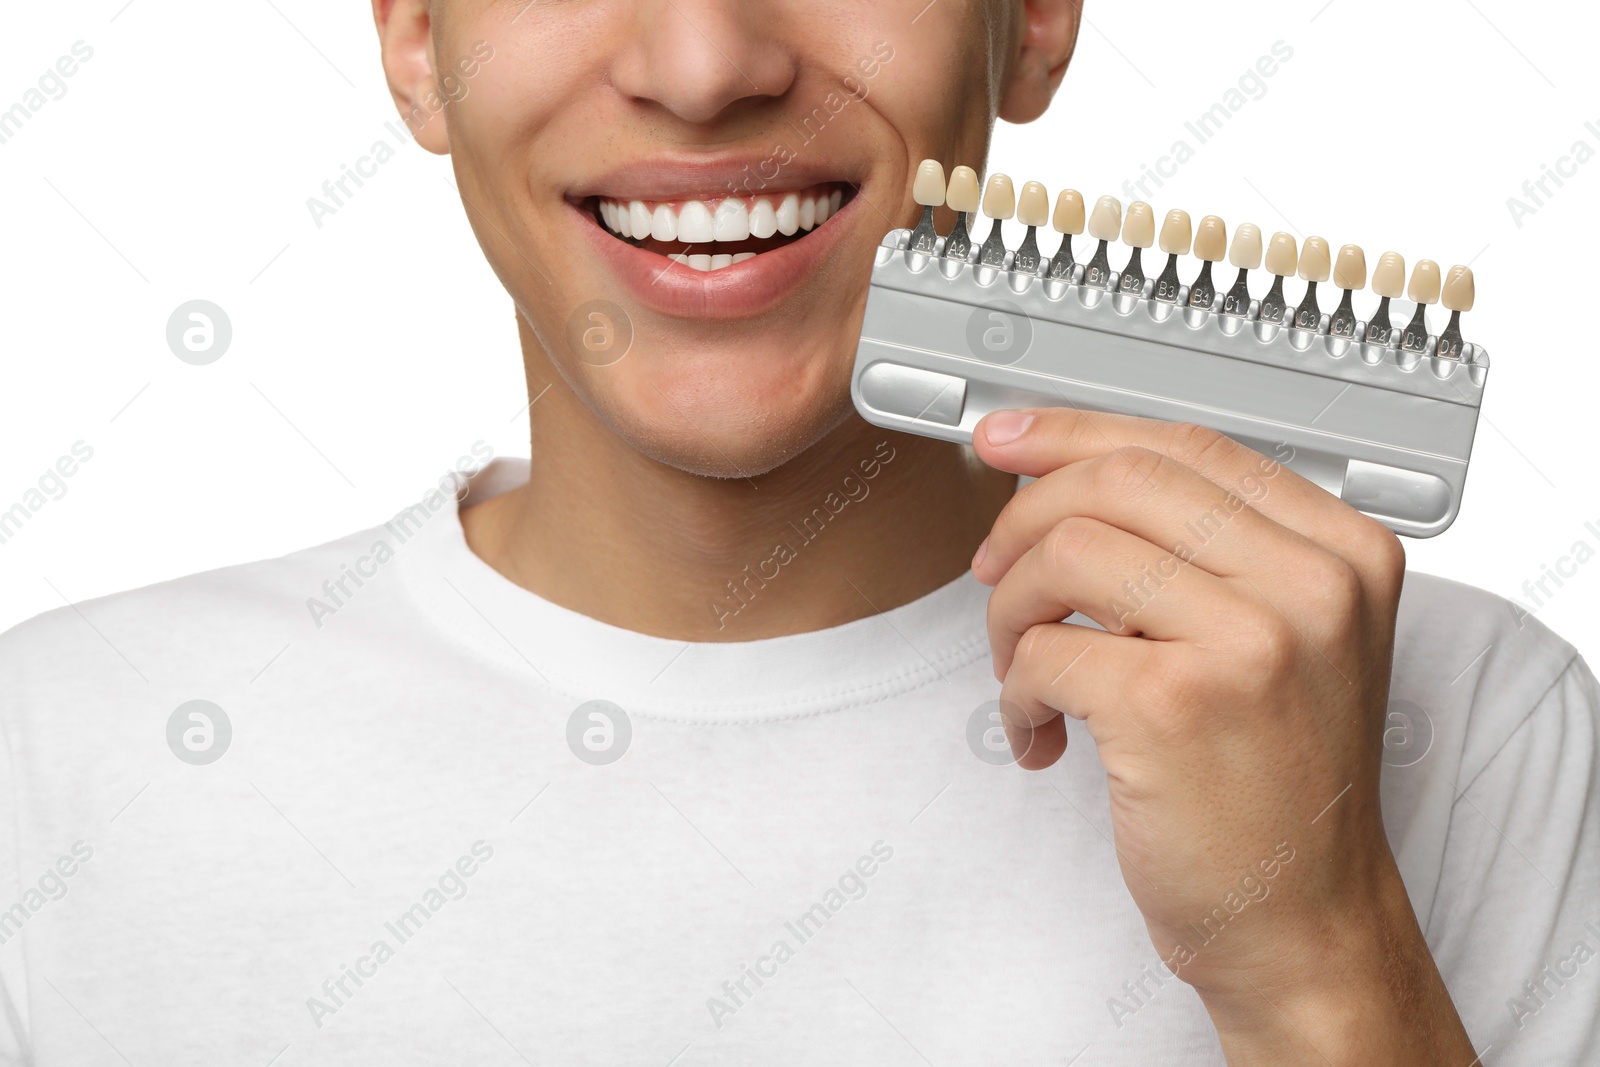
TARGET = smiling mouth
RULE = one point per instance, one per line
(713, 234)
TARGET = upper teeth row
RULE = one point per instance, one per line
(697, 222)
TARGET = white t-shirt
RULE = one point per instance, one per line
(411, 851)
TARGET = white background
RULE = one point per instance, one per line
(370, 354)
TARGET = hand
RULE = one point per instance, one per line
(1237, 697)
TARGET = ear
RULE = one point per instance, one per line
(405, 35)
(1049, 36)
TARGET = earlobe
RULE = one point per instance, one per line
(1049, 36)
(405, 35)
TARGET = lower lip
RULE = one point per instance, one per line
(739, 290)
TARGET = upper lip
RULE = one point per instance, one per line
(681, 177)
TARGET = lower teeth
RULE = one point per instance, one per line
(709, 262)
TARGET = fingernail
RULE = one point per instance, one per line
(983, 550)
(1003, 427)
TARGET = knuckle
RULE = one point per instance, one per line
(1387, 553)
(1333, 580)
(1166, 695)
(1067, 541)
(1129, 471)
(1267, 643)
(1193, 444)
(1035, 644)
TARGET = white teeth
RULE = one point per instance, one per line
(694, 224)
(664, 224)
(789, 215)
(733, 220)
(697, 222)
(763, 219)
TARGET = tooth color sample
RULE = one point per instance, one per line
(1459, 290)
(928, 189)
(1033, 206)
(1283, 255)
(1069, 212)
(1211, 240)
(1246, 251)
(999, 198)
(1177, 233)
(1425, 282)
(1315, 262)
(963, 195)
(1139, 225)
(1390, 277)
(1106, 222)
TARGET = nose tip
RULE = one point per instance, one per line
(697, 60)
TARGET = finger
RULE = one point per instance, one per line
(1058, 436)
(1153, 497)
(1064, 669)
(1122, 582)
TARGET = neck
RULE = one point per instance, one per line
(864, 521)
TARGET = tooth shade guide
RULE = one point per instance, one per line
(1458, 296)
(1406, 424)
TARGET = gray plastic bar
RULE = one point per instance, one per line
(945, 342)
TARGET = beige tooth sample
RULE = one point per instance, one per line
(1459, 291)
(1138, 233)
(1177, 234)
(1283, 255)
(1458, 297)
(1315, 266)
(1033, 207)
(1423, 290)
(1244, 253)
(1139, 225)
(1389, 279)
(962, 193)
(1067, 221)
(1106, 221)
(928, 189)
(999, 197)
(1349, 274)
(999, 203)
(1210, 245)
(1425, 282)
(1350, 269)
(1211, 239)
(1315, 263)
(1068, 217)
(1033, 211)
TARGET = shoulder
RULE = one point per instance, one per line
(1476, 663)
(225, 617)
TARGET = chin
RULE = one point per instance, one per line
(728, 427)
